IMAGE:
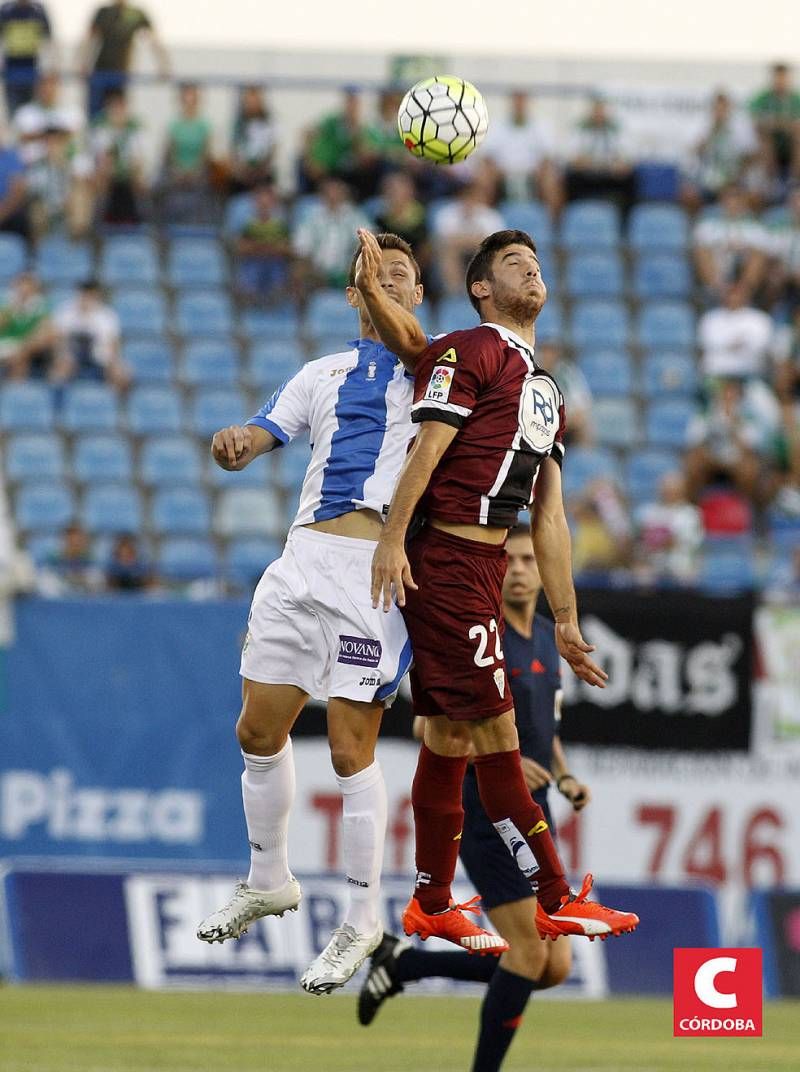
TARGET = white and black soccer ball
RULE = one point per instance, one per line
(442, 119)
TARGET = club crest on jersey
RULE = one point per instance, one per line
(439, 384)
(372, 368)
(538, 412)
(500, 680)
(359, 651)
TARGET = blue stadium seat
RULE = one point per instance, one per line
(214, 408)
(193, 262)
(725, 570)
(599, 323)
(665, 324)
(669, 373)
(60, 261)
(550, 322)
(238, 210)
(644, 471)
(204, 312)
(583, 465)
(34, 457)
(608, 372)
(456, 313)
(246, 560)
(153, 410)
(170, 461)
(279, 323)
(273, 362)
(595, 275)
(129, 259)
(150, 360)
(43, 547)
(186, 559)
(529, 216)
(667, 421)
(13, 255)
(181, 512)
(211, 363)
(109, 509)
(45, 507)
(329, 314)
(652, 227)
(26, 407)
(90, 407)
(259, 474)
(616, 422)
(247, 512)
(302, 207)
(293, 462)
(590, 225)
(140, 311)
(662, 275)
(102, 458)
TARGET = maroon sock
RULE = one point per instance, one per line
(515, 814)
(438, 821)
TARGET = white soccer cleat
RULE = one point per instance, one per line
(340, 959)
(247, 905)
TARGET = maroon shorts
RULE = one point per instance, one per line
(455, 622)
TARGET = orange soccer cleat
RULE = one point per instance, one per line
(453, 926)
(579, 916)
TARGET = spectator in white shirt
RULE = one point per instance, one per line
(88, 339)
(732, 245)
(669, 533)
(523, 148)
(735, 339)
(324, 238)
(720, 152)
(43, 113)
(599, 164)
(459, 227)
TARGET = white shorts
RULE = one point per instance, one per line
(312, 623)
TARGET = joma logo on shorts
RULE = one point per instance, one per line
(359, 651)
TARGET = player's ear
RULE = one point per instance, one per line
(352, 296)
(418, 294)
(480, 289)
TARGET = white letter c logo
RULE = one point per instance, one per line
(705, 983)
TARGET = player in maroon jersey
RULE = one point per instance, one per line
(491, 427)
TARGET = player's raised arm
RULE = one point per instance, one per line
(398, 329)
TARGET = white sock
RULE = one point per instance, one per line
(268, 794)
(364, 812)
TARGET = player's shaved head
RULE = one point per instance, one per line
(480, 267)
(386, 241)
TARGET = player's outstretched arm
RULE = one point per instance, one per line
(235, 447)
(399, 330)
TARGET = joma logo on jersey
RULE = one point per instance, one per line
(359, 651)
(439, 384)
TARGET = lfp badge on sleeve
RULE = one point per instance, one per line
(717, 992)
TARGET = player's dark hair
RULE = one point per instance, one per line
(386, 241)
(480, 267)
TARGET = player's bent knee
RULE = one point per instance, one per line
(347, 761)
(257, 737)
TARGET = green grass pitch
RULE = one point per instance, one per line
(113, 1029)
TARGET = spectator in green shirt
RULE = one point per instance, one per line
(117, 144)
(343, 146)
(26, 330)
(776, 113)
(263, 249)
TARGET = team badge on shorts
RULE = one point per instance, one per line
(439, 384)
(500, 680)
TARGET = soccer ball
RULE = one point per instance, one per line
(442, 119)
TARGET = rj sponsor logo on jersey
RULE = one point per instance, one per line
(717, 992)
(359, 651)
(539, 412)
(439, 384)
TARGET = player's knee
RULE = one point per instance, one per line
(257, 737)
(527, 957)
(557, 968)
(348, 758)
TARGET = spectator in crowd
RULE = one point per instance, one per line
(88, 339)
(783, 273)
(71, 570)
(323, 240)
(776, 113)
(574, 387)
(383, 136)
(118, 151)
(255, 139)
(723, 148)
(188, 162)
(731, 245)
(402, 213)
(343, 146)
(523, 149)
(105, 53)
(735, 339)
(24, 29)
(60, 187)
(786, 380)
(13, 191)
(26, 329)
(263, 248)
(669, 533)
(45, 112)
(126, 569)
(459, 227)
(602, 533)
(598, 164)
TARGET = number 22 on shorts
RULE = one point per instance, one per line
(481, 634)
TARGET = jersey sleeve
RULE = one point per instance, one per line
(287, 413)
(448, 378)
(557, 453)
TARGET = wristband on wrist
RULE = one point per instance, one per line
(563, 778)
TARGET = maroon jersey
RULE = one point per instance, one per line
(509, 413)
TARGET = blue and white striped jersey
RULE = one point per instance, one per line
(356, 407)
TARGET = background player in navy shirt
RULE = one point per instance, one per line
(532, 963)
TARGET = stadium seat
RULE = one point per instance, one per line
(184, 559)
(608, 372)
(667, 421)
(456, 313)
(665, 324)
(90, 407)
(170, 461)
(247, 512)
(655, 180)
(13, 255)
(292, 464)
(259, 474)
(662, 275)
(140, 311)
(203, 312)
(590, 225)
(34, 457)
(43, 547)
(329, 314)
(215, 408)
(273, 362)
(109, 509)
(669, 373)
(279, 323)
(150, 360)
(616, 422)
(594, 275)
(238, 211)
(599, 323)
(43, 507)
(303, 205)
(550, 322)
(154, 410)
(195, 262)
(584, 465)
(180, 512)
(246, 560)
(60, 261)
(211, 363)
(26, 407)
(644, 470)
(529, 216)
(652, 227)
(129, 259)
(102, 458)
(726, 570)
